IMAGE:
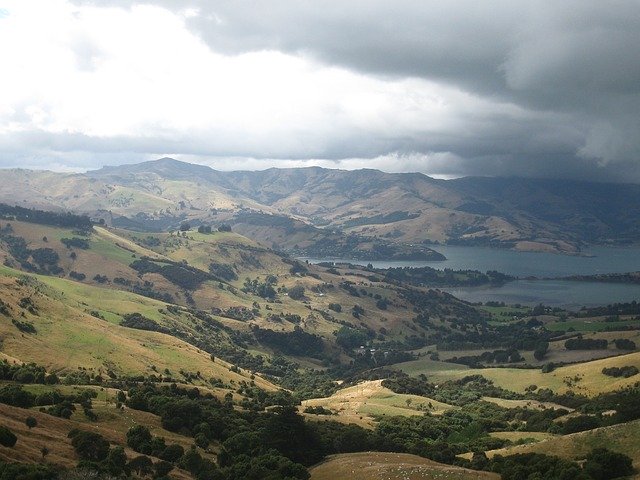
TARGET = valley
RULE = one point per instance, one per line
(196, 343)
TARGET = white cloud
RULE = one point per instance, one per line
(93, 83)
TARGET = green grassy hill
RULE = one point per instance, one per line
(78, 327)
(623, 438)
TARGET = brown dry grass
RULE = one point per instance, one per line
(390, 466)
(51, 432)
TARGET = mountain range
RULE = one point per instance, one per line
(313, 210)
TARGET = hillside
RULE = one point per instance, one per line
(157, 341)
(305, 209)
(623, 438)
(77, 327)
(242, 287)
(392, 466)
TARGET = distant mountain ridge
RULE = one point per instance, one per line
(405, 208)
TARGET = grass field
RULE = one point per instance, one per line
(623, 438)
(391, 466)
(362, 403)
(529, 404)
(67, 337)
(51, 432)
(585, 378)
(516, 436)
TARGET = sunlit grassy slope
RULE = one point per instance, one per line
(585, 378)
(68, 337)
(367, 400)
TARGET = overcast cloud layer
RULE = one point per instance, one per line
(448, 88)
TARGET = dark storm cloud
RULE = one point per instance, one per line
(573, 64)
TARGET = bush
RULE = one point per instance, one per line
(89, 445)
(27, 471)
(162, 468)
(117, 461)
(172, 453)
(336, 307)
(548, 367)
(142, 465)
(626, 372)
(585, 344)
(77, 275)
(139, 439)
(297, 292)
(15, 395)
(201, 440)
(77, 242)
(624, 344)
(30, 422)
(7, 437)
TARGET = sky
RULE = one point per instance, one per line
(541, 88)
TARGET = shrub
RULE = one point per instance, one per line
(172, 453)
(626, 372)
(16, 396)
(162, 468)
(30, 422)
(89, 445)
(336, 307)
(77, 275)
(142, 465)
(548, 367)
(7, 437)
(77, 242)
(297, 292)
(139, 439)
(116, 461)
(201, 440)
(585, 344)
(625, 344)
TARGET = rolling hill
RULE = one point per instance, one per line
(258, 365)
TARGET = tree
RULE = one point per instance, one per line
(336, 307)
(117, 461)
(7, 437)
(297, 292)
(30, 422)
(201, 440)
(603, 464)
(185, 227)
(625, 344)
(224, 228)
(139, 439)
(541, 350)
(142, 465)
(580, 424)
(162, 468)
(89, 445)
(172, 453)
